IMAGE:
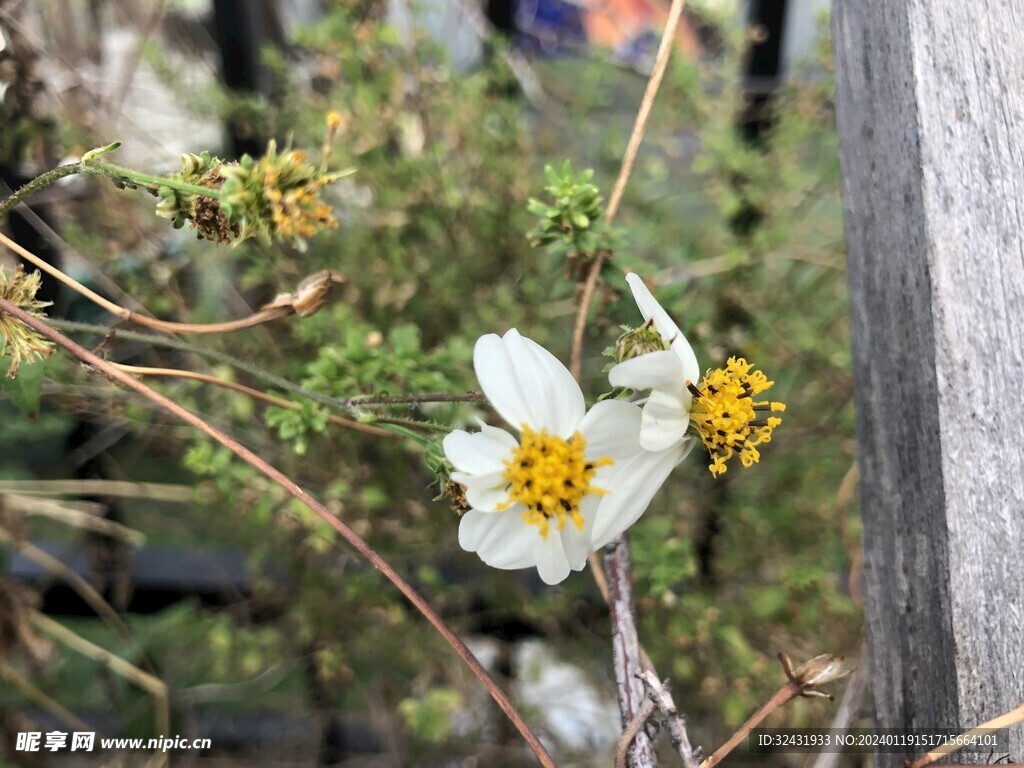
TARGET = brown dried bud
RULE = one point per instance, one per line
(310, 294)
(820, 670)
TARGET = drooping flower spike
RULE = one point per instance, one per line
(573, 480)
(719, 409)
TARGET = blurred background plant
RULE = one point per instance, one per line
(736, 222)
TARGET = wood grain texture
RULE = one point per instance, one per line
(626, 652)
(930, 99)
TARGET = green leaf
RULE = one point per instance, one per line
(25, 388)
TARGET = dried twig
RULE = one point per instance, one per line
(85, 515)
(626, 651)
(256, 318)
(39, 697)
(181, 494)
(658, 692)
(800, 682)
(643, 115)
(305, 498)
(82, 588)
(156, 687)
(631, 731)
(1012, 717)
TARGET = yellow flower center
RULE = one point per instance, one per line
(724, 413)
(550, 475)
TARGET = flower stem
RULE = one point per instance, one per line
(94, 167)
(206, 378)
(427, 426)
(334, 403)
(257, 318)
(356, 541)
(632, 149)
(433, 397)
(786, 693)
(38, 183)
(121, 174)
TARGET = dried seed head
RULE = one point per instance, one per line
(17, 339)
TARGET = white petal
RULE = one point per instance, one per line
(501, 539)
(655, 370)
(632, 491)
(652, 310)
(576, 543)
(484, 492)
(479, 452)
(612, 428)
(664, 421)
(552, 563)
(526, 384)
(691, 369)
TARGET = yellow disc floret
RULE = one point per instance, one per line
(550, 475)
(724, 413)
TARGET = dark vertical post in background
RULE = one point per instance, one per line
(763, 67)
(242, 28)
(931, 121)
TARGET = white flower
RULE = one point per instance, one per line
(572, 482)
(720, 408)
(666, 414)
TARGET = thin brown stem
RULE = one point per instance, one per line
(626, 169)
(580, 326)
(257, 318)
(1012, 717)
(178, 373)
(630, 733)
(785, 694)
(305, 498)
(644, 114)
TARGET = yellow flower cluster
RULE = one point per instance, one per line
(724, 414)
(550, 475)
(291, 188)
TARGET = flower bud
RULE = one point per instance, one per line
(639, 341)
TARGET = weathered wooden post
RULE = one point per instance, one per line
(930, 98)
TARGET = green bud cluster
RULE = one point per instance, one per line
(571, 225)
